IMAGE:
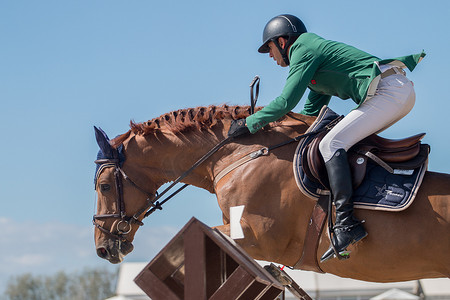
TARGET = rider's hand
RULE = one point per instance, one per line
(238, 128)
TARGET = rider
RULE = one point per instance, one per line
(379, 88)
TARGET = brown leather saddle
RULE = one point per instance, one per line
(392, 154)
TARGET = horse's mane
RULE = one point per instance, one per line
(184, 120)
(189, 119)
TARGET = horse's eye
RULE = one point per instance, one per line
(105, 187)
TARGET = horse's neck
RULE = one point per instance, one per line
(175, 154)
(171, 155)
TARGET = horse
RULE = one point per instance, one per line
(407, 245)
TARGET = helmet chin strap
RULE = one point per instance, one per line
(283, 52)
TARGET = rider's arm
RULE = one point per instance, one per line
(304, 64)
(314, 103)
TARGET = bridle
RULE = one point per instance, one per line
(124, 225)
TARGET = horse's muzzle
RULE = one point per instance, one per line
(114, 250)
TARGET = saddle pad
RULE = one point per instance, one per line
(380, 190)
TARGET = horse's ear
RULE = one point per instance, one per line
(103, 143)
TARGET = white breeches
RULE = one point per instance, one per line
(394, 98)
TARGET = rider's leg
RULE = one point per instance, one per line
(394, 98)
(347, 228)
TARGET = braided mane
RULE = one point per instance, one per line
(184, 120)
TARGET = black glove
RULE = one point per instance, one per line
(238, 128)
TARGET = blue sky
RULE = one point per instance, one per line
(68, 65)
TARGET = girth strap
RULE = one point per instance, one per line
(308, 260)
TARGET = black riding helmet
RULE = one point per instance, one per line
(282, 26)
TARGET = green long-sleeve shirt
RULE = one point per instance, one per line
(327, 68)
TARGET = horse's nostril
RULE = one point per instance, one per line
(102, 252)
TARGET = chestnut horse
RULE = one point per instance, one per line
(406, 245)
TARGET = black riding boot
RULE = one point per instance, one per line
(347, 229)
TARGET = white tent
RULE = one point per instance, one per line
(126, 288)
(118, 298)
(395, 294)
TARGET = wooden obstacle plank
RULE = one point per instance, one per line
(195, 264)
(155, 288)
(216, 272)
(201, 263)
(239, 255)
(234, 286)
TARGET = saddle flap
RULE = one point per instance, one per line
(315, 160)
(314, 165)
(305, 164)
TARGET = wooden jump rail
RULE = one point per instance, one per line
(201, 263)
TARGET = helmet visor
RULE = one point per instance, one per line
(264, 48)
